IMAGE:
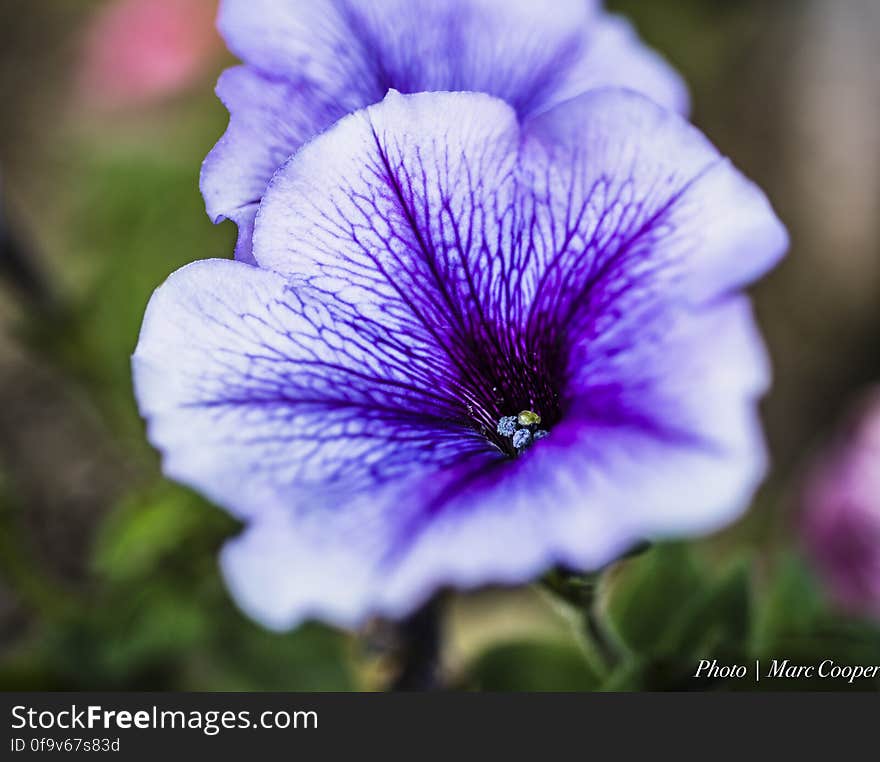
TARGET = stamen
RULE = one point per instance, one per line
(507, 426)
(521, 430)
(522, 439)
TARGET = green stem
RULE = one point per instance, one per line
(579, 590)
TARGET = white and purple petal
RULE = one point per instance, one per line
(259, 393)
(625, 197)
(358, 50)
(613, 55)
(269, 118)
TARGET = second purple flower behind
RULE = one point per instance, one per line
(310, 62)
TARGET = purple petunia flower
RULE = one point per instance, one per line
(841, 518)
(436, 277)
(310, 62)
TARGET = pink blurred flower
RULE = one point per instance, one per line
(139, 51)
(841, 521)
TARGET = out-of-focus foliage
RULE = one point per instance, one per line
(108, 573)
(658, 615)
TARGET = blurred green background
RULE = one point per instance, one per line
(108, 576)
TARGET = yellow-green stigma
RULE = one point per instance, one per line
(528, 418)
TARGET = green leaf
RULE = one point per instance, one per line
(146, 527)
(532, 666)
(718, 620)
(244, 657)
(791, 606)
(643, 599)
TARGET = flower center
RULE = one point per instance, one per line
(521, 430)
